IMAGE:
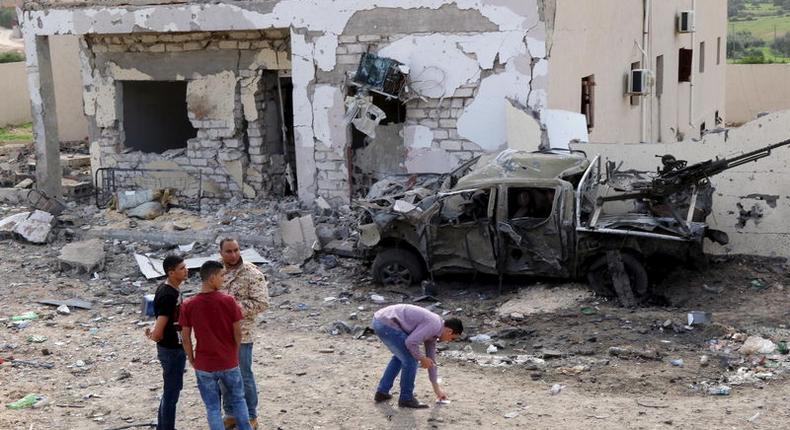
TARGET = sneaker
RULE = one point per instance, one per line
(381, 397)
(229, 423)
(412, 403)
(254, 423)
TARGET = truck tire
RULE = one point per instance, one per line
(397, 266)
(599, 279)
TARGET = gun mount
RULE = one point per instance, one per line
(676, 176)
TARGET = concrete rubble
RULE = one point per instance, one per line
(85, 256)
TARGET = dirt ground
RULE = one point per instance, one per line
(313, 374)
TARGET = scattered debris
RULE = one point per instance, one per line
(757, 345)
(556, 389)
(699, 318)
(33, 227)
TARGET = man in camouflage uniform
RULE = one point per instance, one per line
(249, 287)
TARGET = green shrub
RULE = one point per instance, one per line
(11, 57)
(7, 17)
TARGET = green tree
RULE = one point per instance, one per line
(7, 17)
(782, 45)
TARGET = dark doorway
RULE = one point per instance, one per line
(155, 115)
(285, 96)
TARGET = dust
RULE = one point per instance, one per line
(545, 299)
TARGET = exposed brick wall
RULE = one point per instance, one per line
(257, 145)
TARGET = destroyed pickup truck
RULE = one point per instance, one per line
(547, 214)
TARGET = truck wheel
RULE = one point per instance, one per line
(397, 266)
(599, 279)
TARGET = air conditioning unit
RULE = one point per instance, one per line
(686, 21)
(638, 82)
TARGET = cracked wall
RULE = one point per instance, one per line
(468, 60)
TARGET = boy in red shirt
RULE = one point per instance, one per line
(215, 318)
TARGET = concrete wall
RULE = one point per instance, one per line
(602, 38)
(15, 106)
(755, 88)
(751, 202)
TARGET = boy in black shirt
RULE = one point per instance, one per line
(168, 339)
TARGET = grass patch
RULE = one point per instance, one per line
(17, 132)
(763, 27)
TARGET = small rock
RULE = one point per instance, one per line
(377, 298)
(556, 389)
(63, 310)
(703, 361)
(511, 414)
(492, 349)
(677, 362)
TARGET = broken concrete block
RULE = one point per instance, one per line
(75, 161)
(300, 239)
(343, 248)
(25, 183)
(9, 223)
(36, 227)
(12, 195)
(83, 257)
(322, 204)
(325, 233)
(148, 210)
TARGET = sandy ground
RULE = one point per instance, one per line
(9, 44)
(105, 372)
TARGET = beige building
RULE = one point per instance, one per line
(595, 44)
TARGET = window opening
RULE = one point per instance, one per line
(684, 64)
(659, 75)
(702, 57)
(155, 115)
(530, 203)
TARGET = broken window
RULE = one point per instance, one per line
(588, 100)
(635, 99)
(534, 203)
(702, 57)
(659, 75)
(466, 207)
(155, 115)
(685, 57)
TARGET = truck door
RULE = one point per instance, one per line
(462, 235)
(530, 230)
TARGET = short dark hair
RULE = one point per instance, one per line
(226, 239)
(455, 325)
(171, 262)
(209, 268)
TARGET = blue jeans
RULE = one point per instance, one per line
(173, 362)
(250, 389)
(208, 384)
(402, 361)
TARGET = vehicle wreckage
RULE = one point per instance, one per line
(549, 214)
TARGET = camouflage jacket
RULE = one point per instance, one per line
(248, 285)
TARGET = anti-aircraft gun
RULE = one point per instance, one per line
(676, 176)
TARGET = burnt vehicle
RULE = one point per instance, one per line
(546, 214)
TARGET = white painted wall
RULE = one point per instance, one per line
(768, 236)
(15, 106)
(755, 88)
(603, 38)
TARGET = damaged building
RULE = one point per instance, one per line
(323, 98)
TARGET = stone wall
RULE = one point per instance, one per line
(238, 148)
